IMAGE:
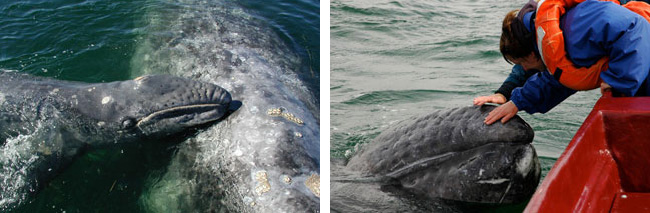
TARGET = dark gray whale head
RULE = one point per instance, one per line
(147, 105)
(52, 121)
(156, 104)
(451, 154)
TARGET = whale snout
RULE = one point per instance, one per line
(219, 96)
(155, 104)
(175, 91)
(182, 103)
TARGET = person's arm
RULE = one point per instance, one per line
(629, 59)
(539, 94)
(516, 78)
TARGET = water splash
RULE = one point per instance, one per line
(17, 161)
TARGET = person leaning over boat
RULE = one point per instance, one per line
(519, 75)
(517, 78)
(598, 35)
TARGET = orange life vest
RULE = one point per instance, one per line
(550, 42)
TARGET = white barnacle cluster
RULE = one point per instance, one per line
(54, 91)
(249, 201)
(286, 179)
(280, 112)
(74, 100)
(138, 82)
(313, 184)
(106, 99)
(263, 184)
(274, 112)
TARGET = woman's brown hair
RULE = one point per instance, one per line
(516, 41)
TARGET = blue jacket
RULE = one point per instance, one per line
(592, 30)
(517, 78)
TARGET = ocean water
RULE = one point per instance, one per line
(395, 59)
(102, 41)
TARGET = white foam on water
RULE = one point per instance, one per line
(16, 159)
(36, 148)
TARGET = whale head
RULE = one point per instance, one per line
(150, 105)
(451, 154)
(50, 122)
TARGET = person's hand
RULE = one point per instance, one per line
(504, 112)
(496, 98)
(604, 87)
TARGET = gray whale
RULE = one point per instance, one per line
(452, 155)
(265, 157)
(45, 123)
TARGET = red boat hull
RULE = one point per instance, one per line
(606, 167)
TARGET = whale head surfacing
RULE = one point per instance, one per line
(153, 105)
(45, 123)
(453, 155)
(122, 110)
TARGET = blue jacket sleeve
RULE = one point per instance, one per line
(594, 29)
(517, 78)
(540, 93)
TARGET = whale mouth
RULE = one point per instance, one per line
(188, 115)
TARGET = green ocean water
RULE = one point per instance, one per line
(97, 41)
(394, 59)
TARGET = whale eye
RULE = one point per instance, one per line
(127, 122)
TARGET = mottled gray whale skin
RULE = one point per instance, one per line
(45, 123)
(453, 155)
(265, 157)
